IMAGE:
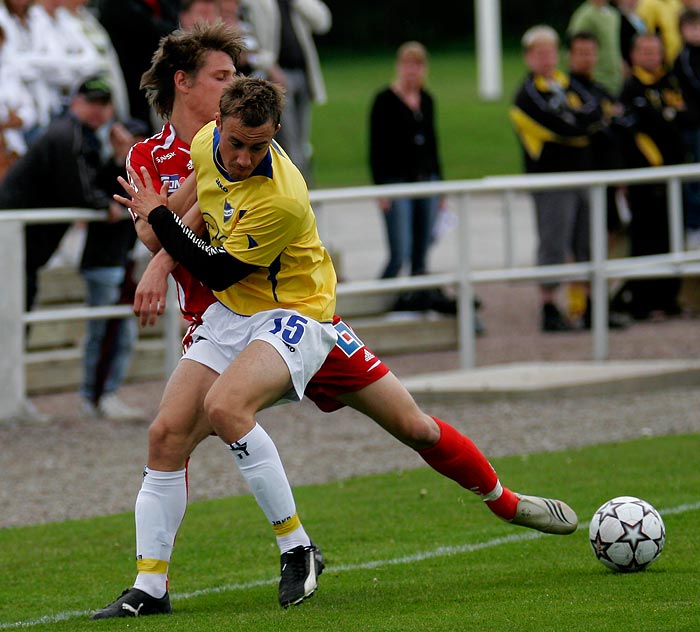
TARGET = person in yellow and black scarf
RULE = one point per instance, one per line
(653, 100)
(553, 123)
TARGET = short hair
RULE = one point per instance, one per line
(185, 50)
(585, 36)
(253, 100)
(412, 49)
(689, 16)
(541, 33)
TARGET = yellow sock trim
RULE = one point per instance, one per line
(287, 526)
(153, 567)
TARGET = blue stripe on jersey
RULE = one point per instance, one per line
(274, 270)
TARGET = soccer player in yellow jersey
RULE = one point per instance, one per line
(262, 217)
(255, 347)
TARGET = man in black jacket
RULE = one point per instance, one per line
(653, 99)
(61, 169)
(553, 124)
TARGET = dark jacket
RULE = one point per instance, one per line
(606, 135)
(687, 69)
(402, 143)
(61, 168)
(655, 104)
(553, 123)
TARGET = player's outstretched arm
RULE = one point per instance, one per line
(151, 292)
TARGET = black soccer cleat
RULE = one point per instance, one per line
(299, 571)
(134, 603)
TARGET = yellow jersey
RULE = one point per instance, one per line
(265, 220)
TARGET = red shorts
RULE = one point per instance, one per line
(349, 367)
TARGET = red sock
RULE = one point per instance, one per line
(458, 458)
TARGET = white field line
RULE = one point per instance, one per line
(441, 551)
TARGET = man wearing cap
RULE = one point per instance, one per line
(65, 167)
(60, 169)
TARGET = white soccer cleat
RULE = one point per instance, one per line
(545, 514)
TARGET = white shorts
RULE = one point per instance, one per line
(302, 342)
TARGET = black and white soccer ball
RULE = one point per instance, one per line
(627, 534)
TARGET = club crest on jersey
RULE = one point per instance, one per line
(221, 186)
(228, 211)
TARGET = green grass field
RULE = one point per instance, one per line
(405, 551)
(476, 138)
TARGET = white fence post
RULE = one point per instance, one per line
(465, 297)
(12, 383)
(674, 196)
(599, 280)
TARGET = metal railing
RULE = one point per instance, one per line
(599, 270)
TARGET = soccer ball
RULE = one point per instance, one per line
(627, 534)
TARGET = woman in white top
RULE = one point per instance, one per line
(17, 111)
(22, 53)
(66, 55)
(98, 37)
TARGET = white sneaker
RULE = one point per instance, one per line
(111, 407)
(88, 409)
(545, 514)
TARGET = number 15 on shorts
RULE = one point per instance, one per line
(290, 329)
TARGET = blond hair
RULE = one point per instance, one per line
(414, 50)
(539, 34)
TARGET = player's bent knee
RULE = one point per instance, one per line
(421, 432)
(229, 422)
(167, 445)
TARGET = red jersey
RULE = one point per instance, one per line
(167, 159)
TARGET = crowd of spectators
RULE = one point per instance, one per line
(71, 107)
(628, 97)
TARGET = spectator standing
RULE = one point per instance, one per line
(687, 69)
(598, 18)
(60, 169)
(553, 124)
(106, 267)
(284, 30)
(606, 151)
(653, 99)
(403, 147)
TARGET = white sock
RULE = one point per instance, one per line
(160, 508)
(259, 462)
